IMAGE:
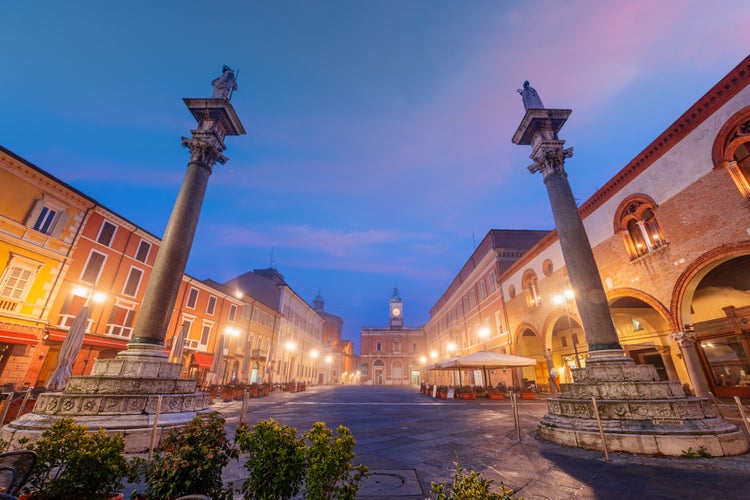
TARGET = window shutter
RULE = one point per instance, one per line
(34, 215)
(62, 221)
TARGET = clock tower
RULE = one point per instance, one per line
(397, 311)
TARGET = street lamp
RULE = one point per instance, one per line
(329, 360)
(562, 300)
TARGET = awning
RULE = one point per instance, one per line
(7, 337)
(94, 340)
(202, 360)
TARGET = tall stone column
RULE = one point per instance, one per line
(687, 341)
(639, 413)
(539, 129)
(216, 119)
(122, 395)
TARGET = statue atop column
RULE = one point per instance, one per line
(225, 84)
(531, 99)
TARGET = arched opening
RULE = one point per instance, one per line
(644, 332)
(569, 347)
(529, 345)
(719, 311)
(397, 373)
(378, 369)
(254, 373)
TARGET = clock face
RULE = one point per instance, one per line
(396, 311)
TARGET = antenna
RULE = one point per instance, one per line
(271, 264)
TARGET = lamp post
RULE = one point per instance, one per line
(563, 301)
(329, 360)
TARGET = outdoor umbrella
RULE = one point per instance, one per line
(213, 373)
(489, 359)
(178, 344)
(246, 363)
(69, 351)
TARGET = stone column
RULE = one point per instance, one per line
(686, 341)
(550, 366)
(539, 129)
(666, 356)
(216, 119)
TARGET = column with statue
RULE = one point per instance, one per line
(638, 412)
(122, 394)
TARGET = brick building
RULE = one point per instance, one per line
(391, 355)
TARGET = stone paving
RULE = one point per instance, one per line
(409, 440)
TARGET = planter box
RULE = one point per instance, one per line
(496, 395)
(528, 395)
(468, 395)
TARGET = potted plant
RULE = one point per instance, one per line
(253, 390)
(190, 461)
(265, 389)
(73, 463)
(495, 393)
(442, 392)
(466, 392)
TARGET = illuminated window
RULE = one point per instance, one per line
(531, 289)
(48, 217)
(637, 223)
(731, 150)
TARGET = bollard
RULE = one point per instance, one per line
(601, 430)
(516, 421)
(156, 425)
(742, 413)
(243, 412)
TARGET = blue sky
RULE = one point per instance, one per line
(379, 132)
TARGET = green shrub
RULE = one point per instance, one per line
(72, 463)
(276, 460)
(190, 461)
(470, 486)
(329, 464)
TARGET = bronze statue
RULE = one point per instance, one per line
(531, 99)
(225, 84)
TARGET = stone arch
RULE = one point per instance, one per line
(687, 282)
(529, 343)
(733, 138)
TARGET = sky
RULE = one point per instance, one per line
(378, 150)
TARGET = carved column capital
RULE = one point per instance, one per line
(205, 148)
(663, 349)
(549, 158)
(685, 339)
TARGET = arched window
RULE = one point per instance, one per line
(531, 289)
(637, 223)
(731, 150)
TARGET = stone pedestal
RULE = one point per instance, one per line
(639, 413)
(120, 396)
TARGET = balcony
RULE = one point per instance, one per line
(259, 353)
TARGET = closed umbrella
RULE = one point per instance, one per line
(178, 344)
(71, 346)
(213, 373)
(246, 363)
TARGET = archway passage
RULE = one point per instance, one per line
(569, 348)
(720, 314)
(644, 332)
(534, 377)
(378, 367)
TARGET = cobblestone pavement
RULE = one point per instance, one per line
(409, 440)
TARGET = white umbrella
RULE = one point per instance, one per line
(246, 363)
(489, 359)
(213, 373)
(71, 346)
(178, 344)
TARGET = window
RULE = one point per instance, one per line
(482, 290)
(106, 233)
(133, 281)
(547, 267)
(531, 289)
(492, 280)
(638, 225)
(47, 217)
(205, 335)
(232, 312)
(121, 320)
(211, 307)
(15, 282)
(731, 150)
(144, 247)
(378, 346)
(93, 268)
(192, 298)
